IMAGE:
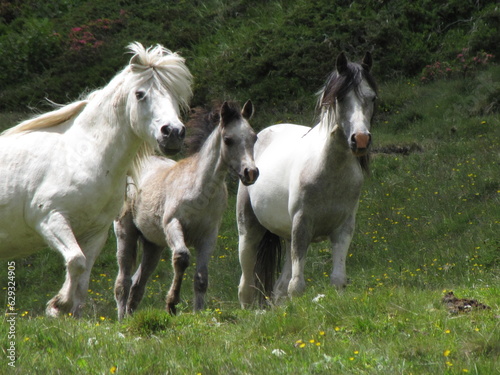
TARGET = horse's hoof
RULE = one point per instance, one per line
(171, 309)
(52, 311)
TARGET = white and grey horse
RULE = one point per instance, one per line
(63, 173)
(309, 186)
(181, 205)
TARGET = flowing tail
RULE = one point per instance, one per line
(268, 265)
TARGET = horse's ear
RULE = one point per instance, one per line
(341, 63)
(247, 111)
(367, 62)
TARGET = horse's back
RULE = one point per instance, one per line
(280, 134)
(154, 167)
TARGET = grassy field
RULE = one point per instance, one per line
(428, 222)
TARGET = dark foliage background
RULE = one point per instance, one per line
(277, 53)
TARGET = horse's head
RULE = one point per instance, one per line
(159, 84)
(351, 92)
(238, 141)
(155, 118)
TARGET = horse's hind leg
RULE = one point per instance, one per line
(250, 233)
(151, 254)
(127, 236)
(180, 261)
(281, 286)
(57, 232)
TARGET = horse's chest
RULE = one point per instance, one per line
(327, 202)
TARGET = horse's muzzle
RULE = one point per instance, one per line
(360, 143)
(249, 176)
(171, 139)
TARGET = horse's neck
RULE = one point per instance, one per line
(112, 143)
(334, 152)
(211, 167)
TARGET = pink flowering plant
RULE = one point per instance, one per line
(91, 36)
(464, 64)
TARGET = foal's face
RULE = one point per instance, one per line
(238, 142)
(354, 114)
(155, 117)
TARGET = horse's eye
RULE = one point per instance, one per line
(140, 95)
(228, 141)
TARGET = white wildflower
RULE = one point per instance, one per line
(318, 298)
(278, 352)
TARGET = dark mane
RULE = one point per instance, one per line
(202, 123)
(338, 85)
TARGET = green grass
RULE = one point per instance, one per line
(427, 222)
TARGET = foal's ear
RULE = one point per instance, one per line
(367, 62)
(247, 111)
(224, 110)
(341, 63)
(227, 114)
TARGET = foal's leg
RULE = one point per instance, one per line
(341, 240)
(56, 231)
(127, 236)
(203, 253)
(180, 261)
(151, 254)
(250, 233)
(301, 237)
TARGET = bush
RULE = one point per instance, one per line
(278, 55)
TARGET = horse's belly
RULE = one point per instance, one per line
(270, 206)
(16, 238)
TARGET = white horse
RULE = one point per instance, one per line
(181, 204)
(63, 173)
(309, 186)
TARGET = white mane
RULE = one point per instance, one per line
(165, 68)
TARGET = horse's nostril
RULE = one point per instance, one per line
(251, 174)
(166, 130)
(361, 140)
(182, 133)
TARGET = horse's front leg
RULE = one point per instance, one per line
(91, 247)
(203, 253)
(341, 240)
(180, 261)
(250, 233)
(127, 236)
(56, 231)
(151, 254)
(301, 237)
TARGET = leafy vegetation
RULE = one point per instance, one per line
(428, 219)
(277, 53)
